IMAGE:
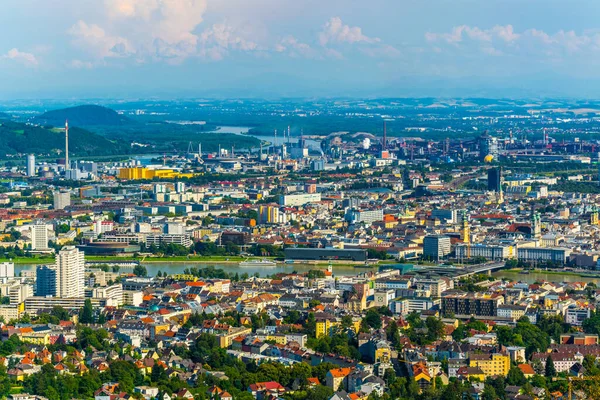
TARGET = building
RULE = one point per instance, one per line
(354, 216)
(45, 280)
(487, 251)
(558, 255)
(436, 246)
(494, 179)
(157, 239)
(493, 364)
(30, 165)
(576, 316)
(7, 270)
(471, 304)
(294, 200)
(445, 215)
(337, 377)
(70, 273)
(61, 200)
(268, 215)
(39, 237)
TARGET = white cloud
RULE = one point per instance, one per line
(94, 40)
(219, 39)
(334, 31)
(294, 47)
(79, 64)
(503, 40)
(24, 58)
(146, 29)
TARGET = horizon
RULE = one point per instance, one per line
(282, 49)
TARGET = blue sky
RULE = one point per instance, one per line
(197, 48)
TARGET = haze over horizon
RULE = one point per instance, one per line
(273, 48)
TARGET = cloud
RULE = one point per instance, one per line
(219, 39)
(146, 29)
(24, 58)
(295, 48)
(505, 41)
(334, 31)
(78, 64)
(94, 39)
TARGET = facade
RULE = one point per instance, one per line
(295, 200)
(157, 239)
(494, 179)
(471, 304)
(576, 316)
(39, 237)
(487, 251)
(491, 364)
(557, 255)
(30, 165)
(448, 216)
(367, 217)
(45, 280)
(436, 246)
(61, 200)
(7, 270)
(70, 270)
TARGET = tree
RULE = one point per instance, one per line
(140, 270)
(373, 319)
(550, 370)
(86, 315)
(319, 392)
(515, 377)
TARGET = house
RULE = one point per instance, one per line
(527, 370)
(262, 390)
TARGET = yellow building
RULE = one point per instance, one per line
(383, 353)
(324, 326)
(491, 364)
(137, 173)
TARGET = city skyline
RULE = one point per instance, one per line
(267, 48)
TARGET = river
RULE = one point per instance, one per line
(243, 130)
(179, 267)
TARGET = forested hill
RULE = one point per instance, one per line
(43, 141)
(86, 115)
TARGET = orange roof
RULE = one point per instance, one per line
(526, 369)
(340, 372)
(197, 284)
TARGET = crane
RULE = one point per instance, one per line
(572, 379)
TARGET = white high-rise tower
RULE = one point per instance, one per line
(67, 166)
(70, 273)
(30, 165)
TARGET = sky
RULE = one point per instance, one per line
(299, 48)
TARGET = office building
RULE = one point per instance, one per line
(354, 216)
(61, 200)
(557, 255)
(436, 246)
(268, 215)
(39, 237)
(494, 179)
(30, 165)
(70, 271)
(45, 280)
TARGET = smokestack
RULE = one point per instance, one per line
(384, 136)
(67, 166)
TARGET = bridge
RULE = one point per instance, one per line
(461, 272)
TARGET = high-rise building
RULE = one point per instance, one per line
(30, 165)
(45, 280)
(39, 237)
(495, 179)
(61, 200)
(70, 272)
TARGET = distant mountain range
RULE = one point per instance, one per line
(4, 115)
(18, 137)
(86, 115)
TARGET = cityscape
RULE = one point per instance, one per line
(331, 233)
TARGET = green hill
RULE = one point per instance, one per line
(4, 115)
(86, 115)
(44, 141)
